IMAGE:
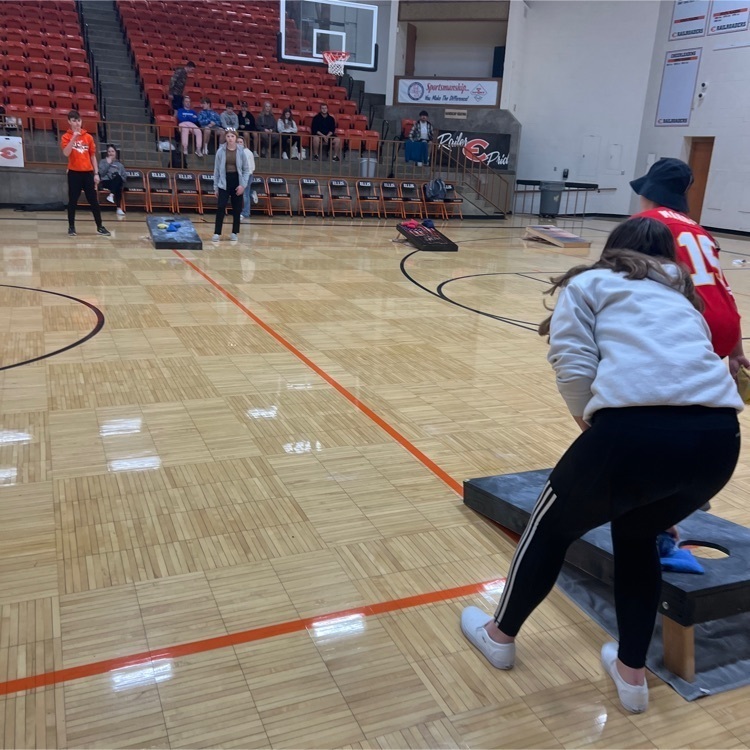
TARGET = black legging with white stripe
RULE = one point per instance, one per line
(644, 469)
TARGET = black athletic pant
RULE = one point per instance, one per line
(115, 186)
(642, 468)
(225, 196)
(78, 181)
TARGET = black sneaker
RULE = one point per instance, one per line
(335, 158)
(316, 157)
(72, 232)
(103, 231)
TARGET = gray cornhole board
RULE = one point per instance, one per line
(716, 601)
(185, 238)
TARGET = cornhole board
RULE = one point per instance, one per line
(424, 238)
(686, 600)
(554, 236)
(185, 238)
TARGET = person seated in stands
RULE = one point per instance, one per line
(229, 117)
(112, 177)
(247, 128)
(266, 125)
(187, 121)
(209, 120)
(290, 141)
(422, 133)
(323, 130)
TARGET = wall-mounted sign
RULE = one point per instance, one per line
(11, 151)
(689, 19)
(678, 87)
(455, 114)
(728, 16)
(464, 92)
(490, 149)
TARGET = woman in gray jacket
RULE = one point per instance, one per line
(231, 174)
(112, 176)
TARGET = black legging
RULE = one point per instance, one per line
(78, 181)
(115, 186)
(225, 196)
(288, 140)
(644, 469)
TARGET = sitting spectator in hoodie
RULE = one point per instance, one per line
(209, 120)
(266, 126)
(229, 117)
(188, 122)
(112, 177)
(290, 141)
(247, 128)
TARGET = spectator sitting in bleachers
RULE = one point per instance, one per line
(266, 126)
(187, 121)
(209, 121)
(112, 177)
(290, 141)
(229, 117)
(421, 136)
(247, 128)
(323, 129)
(177, 85)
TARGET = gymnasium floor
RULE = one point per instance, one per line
(230, 517)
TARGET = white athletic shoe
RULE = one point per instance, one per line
(111, 198)
(500, 655)
(199, 154)
(634, 698)
(284, 155)
(255, 154)
(120, 212)
(233, 237)
(215, 238)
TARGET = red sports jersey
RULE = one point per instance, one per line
(697, 250)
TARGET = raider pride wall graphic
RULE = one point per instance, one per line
(490, 149)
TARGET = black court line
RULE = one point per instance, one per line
(98, 327)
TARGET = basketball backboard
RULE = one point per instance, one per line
(308, 29)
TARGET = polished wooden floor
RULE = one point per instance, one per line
(229, 519)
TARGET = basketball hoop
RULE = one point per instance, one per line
(336, 62)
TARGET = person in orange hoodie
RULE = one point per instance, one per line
(83, 172)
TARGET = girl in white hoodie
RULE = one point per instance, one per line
(658, 410)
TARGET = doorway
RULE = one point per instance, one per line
(700, 162)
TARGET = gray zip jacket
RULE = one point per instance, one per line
(220, 167)
(617, 342)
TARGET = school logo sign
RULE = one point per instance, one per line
(490, 149)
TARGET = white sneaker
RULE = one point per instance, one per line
(120, 212)
(199, 154)
(111, 198)
(244, 219)
(233, 237)
(419, 164)
(215, 238)
(255, 154)
(634, 698)
(284, 156)
(500, 655)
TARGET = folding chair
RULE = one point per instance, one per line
(339, 193)
(434, 208)
(452, 202)
(278, 192)
(258, 184)
(392, 200)
(368, 195)
(135, 190)
(309, 193)
(186, 187)
(206, 190)
(160, 190)
(413, 200)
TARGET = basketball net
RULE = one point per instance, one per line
(336, 62)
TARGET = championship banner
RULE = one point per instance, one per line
(678, 87)
(490, 149)
(11, 151)
(466, 92)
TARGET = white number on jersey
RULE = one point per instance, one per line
(705, 259)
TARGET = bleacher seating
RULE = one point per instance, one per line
(44, 70)
(163, 35)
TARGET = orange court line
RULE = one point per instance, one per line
(234, 639)
(347, 394)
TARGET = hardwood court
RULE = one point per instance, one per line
(230, 519)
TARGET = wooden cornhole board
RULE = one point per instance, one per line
(554, 236)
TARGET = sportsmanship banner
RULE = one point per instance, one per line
(490, 149)
(466, 92)
(689, 19)
(728, 16)
(11, 151)
(678, 87)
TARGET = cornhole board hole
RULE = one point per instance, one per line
(553, 235)
(686, 600)
(424, 238)
(185, 238)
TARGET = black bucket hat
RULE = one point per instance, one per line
(666, 183)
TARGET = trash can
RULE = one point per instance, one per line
(549, 201)
(368, 166)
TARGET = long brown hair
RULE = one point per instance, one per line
(639, 248)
